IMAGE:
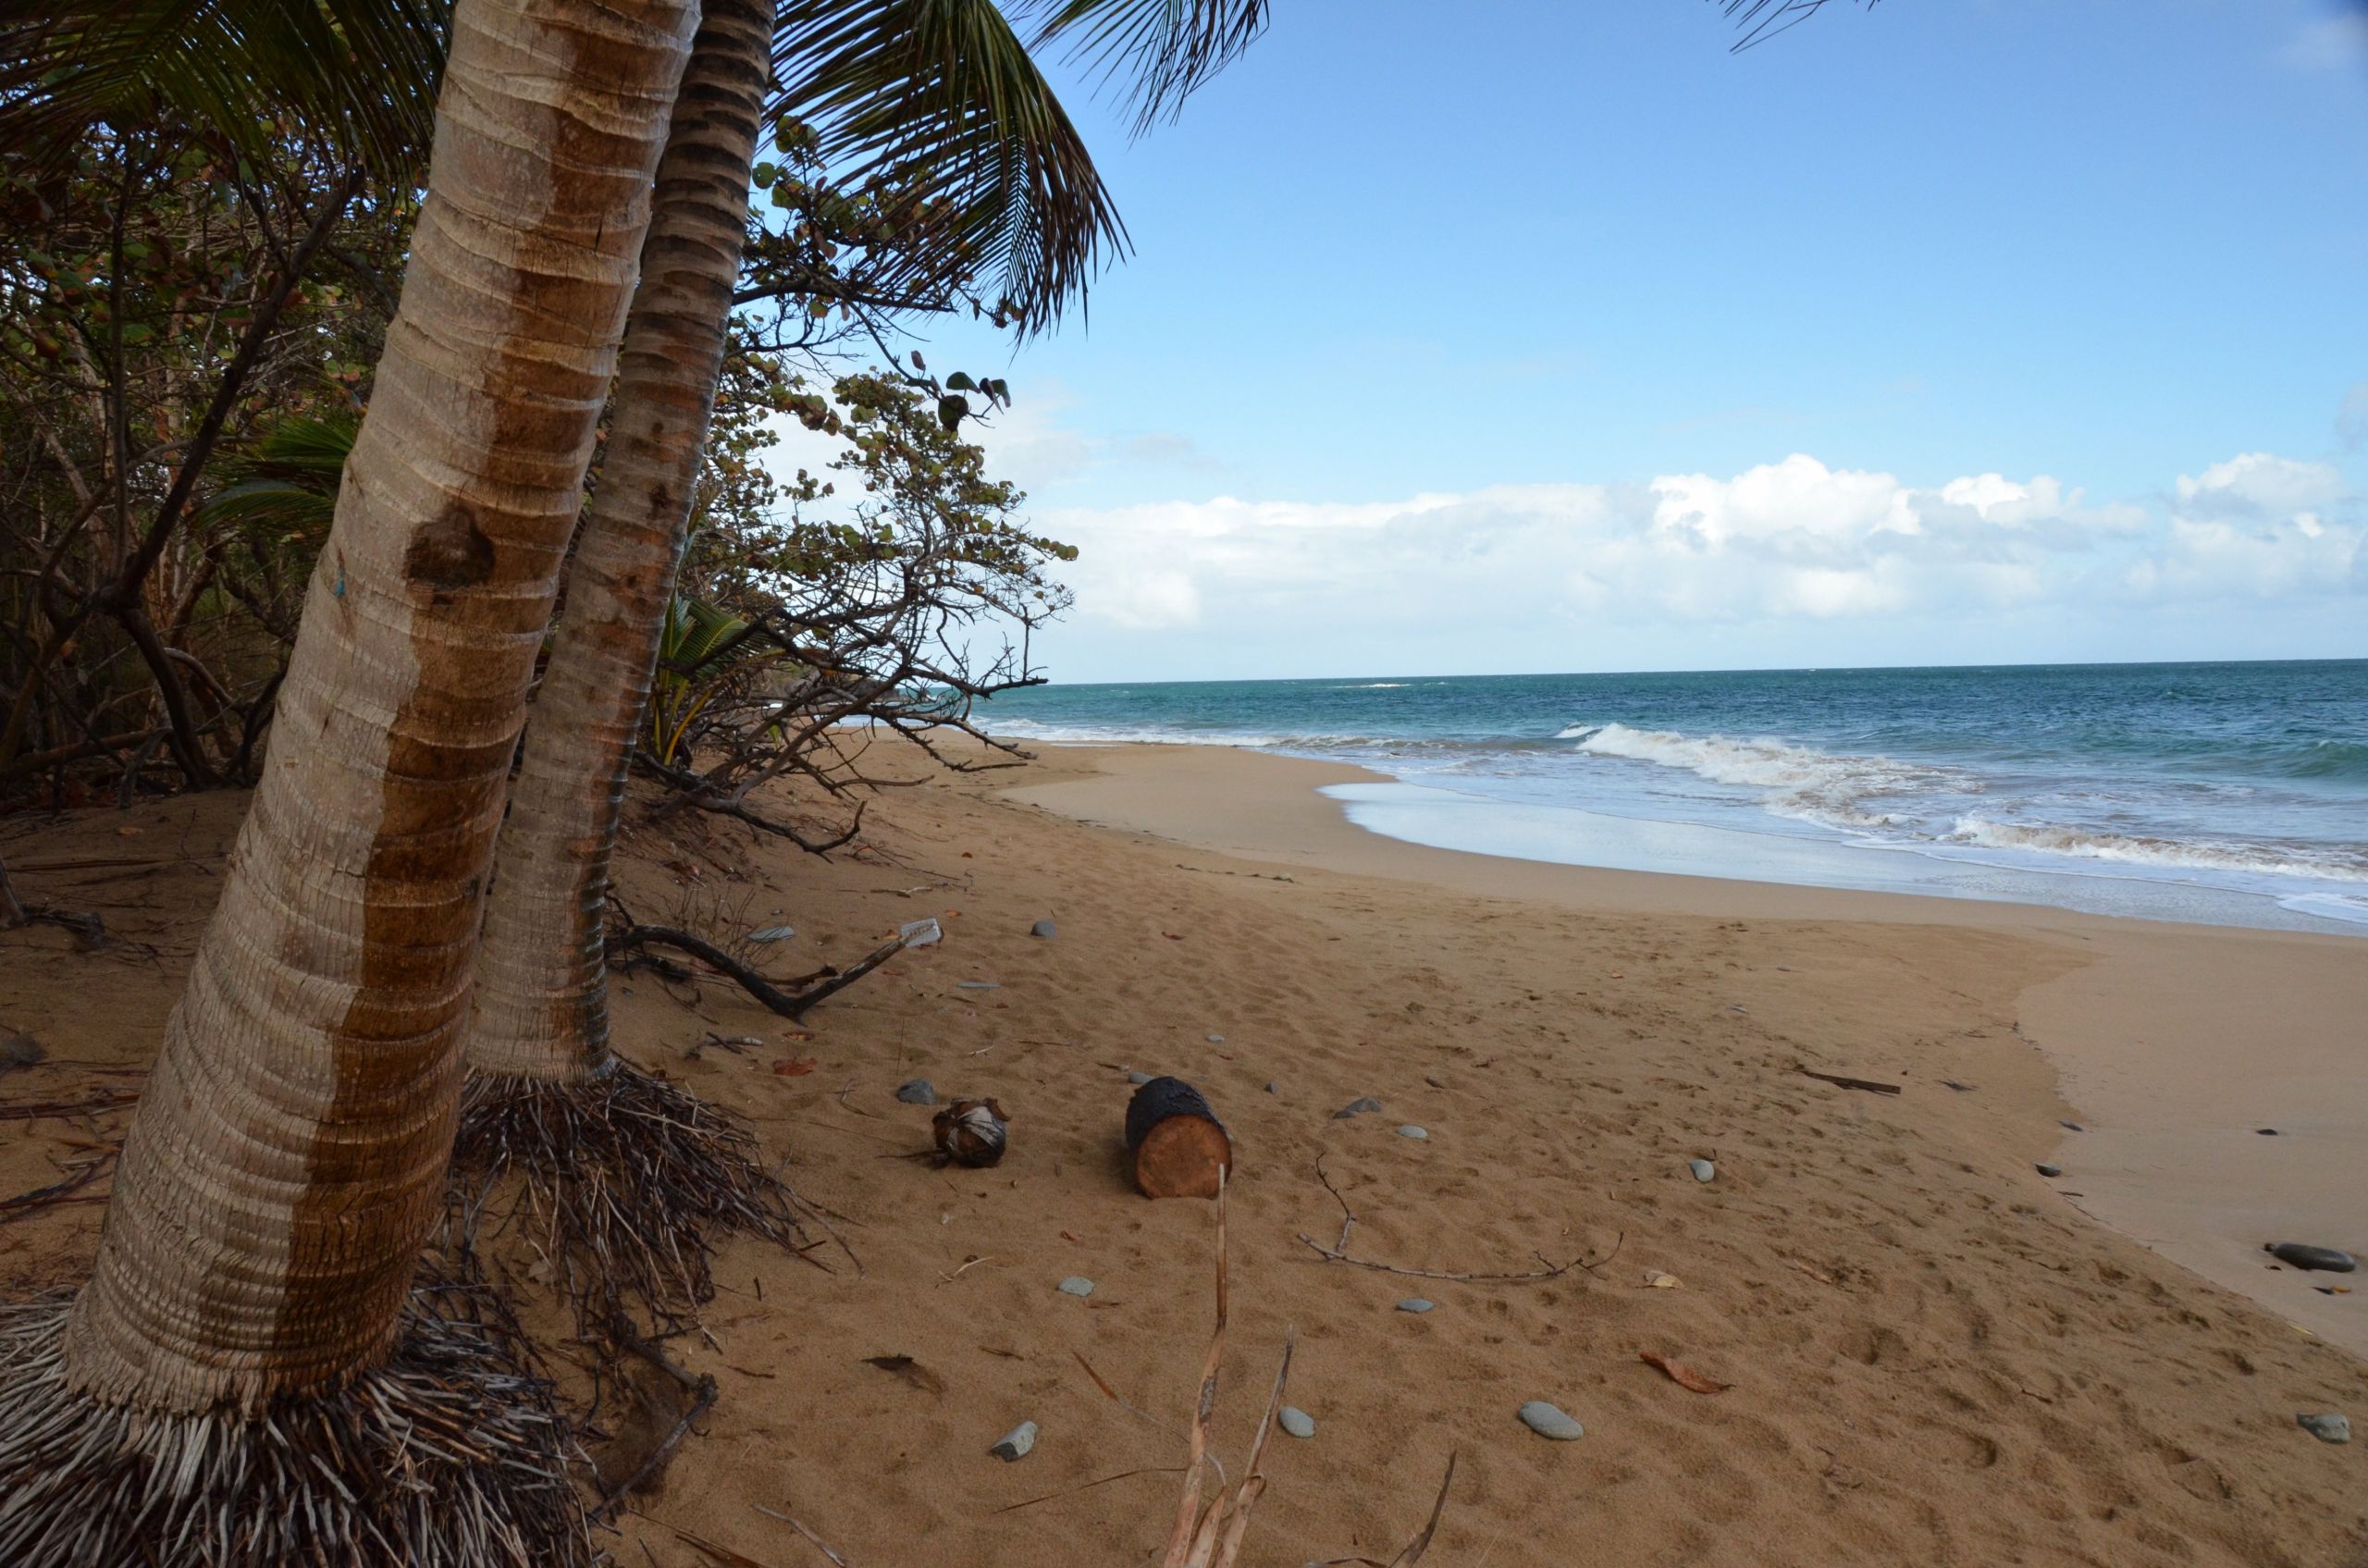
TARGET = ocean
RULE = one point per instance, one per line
(2226, 792)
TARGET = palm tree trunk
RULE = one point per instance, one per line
(286, 1162)
(541, 1007)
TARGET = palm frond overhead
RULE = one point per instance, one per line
(938, 101)
(1763, 19)
(361, 74)
(1160, 50)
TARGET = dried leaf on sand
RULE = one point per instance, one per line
(1683, 1375)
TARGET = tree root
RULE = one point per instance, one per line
(627, 1183)
(448, 1455)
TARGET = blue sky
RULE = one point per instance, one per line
(1555, 337)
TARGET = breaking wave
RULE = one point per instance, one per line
(1801, 780)
(2136, 849)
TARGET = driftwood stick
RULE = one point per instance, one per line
(1868, 1085)
(820, 1544)
(788, 1005)
(1339, 1252)
(40, 1197)
(703, 1391)
(38, 1110)
(1348, 1215)
(840, 982)
(1554, 1271)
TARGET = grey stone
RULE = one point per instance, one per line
(2301, 1254)
(1703, 1169)
(2049, 1170)
(1548, 1422)
(979, 985)
(773, 934)
(1356, 1108)
(1076, 1285)
(1044, 928)
(1272, 1089)
(919, 1092)
(1138, 1077)
(1415, 1304)
(1015, 1442)
(1216, 1039)
(1409, 1131)
(2326, 1428)
(1295, 1421)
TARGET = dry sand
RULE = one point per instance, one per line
(1937, 1356)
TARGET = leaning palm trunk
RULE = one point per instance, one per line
(287, 1163)
(629, 1177)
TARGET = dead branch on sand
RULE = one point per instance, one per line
(788, 1005)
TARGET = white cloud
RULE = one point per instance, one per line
(1789, 541)
(2337, 42)
(2352, 419)
(2259, 484)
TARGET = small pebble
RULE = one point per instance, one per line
(1297, 1422)
(1548, 1422)
(1076, 1285)
(1703, 1169)
(1138, 1077)
(1273, 1088)
(1216, 1039)
(1411, 1131)
(2327, 1428)
(1044, 928)
(1015, 1442)
(1356, 1108)
(2050, 1170)
(919, 1092)
(1415, 1304)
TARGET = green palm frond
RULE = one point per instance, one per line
(939, 100)
(287, 484)
(701, 639)
(361, 74)
(1160, 50)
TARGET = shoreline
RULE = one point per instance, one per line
(2171, 1042)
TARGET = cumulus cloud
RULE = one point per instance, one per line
(1794, 540)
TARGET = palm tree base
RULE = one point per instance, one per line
(449, 1453)
(623, 1183)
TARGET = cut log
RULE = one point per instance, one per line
(1180, 1147)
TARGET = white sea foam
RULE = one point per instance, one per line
(1801, 782)
(2203, 855)
(1124, 735)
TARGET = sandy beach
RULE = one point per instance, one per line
(1937, 1356)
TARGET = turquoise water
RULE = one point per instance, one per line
(2234, 793)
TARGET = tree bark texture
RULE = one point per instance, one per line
(540, 1006)
(286, 1162)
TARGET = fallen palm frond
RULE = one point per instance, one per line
(449, 1454)
(626, 1183)
(1211, 1536)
